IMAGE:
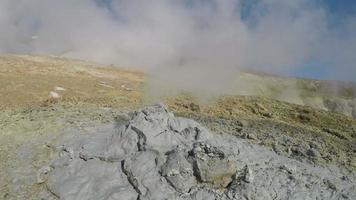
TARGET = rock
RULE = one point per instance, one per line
(252, 136)
(313, 153)
(54, 95)
(289, 169)
(178, 171)
(304, 117)
(240, 186)
(299, 150)
(245, 175)
(163, 131)
(329, 184)
(59, 89)
(151, 154)
(277, 148)
(212, 165)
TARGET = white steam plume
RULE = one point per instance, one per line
(195, 44)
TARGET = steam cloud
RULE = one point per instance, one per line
(190, 43)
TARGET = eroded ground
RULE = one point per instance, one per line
(30, 120)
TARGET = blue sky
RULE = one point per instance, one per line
(307, 38)
(338, 11)
(341, 7)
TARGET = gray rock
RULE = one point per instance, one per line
(212, 165)
(178, 171)
(155, 155)
(313, 153)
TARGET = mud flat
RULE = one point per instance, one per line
(152, 154)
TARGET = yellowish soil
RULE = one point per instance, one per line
(28, 80)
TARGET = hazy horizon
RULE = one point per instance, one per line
(190, 41)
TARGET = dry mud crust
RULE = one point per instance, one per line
(289, 140)
(28, 138)
(293, 130)
(26, 135)
(152, 154)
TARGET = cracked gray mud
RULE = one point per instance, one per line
(155, 155)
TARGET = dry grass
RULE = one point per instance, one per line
(27, 81)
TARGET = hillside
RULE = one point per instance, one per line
(28, 81)
(46, 99)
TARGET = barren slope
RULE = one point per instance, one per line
(28, 80)
(31, 121)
